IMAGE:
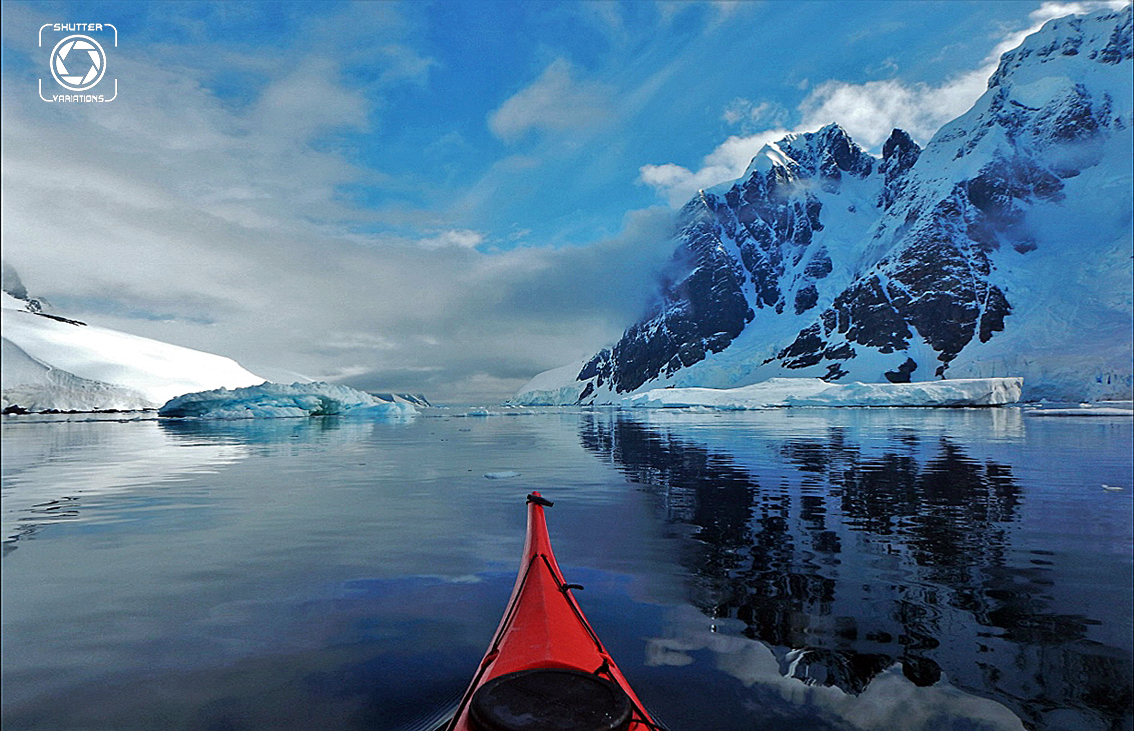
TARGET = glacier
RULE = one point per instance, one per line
(276, 400)
(52, 363)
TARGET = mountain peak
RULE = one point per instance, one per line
(1102, 38)
(828, 152)
(899, 153)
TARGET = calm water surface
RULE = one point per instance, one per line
(802, 569)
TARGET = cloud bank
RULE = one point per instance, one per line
(868, 111)
(554, 102)
(176, 215)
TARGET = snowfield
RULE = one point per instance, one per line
(52, 363)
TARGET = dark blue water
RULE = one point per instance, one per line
(804, 569)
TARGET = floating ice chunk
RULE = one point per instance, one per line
(502, 475)
(1121, 409)
(274, 400)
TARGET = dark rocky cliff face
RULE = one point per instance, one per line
(937, 284)
(733, 249)
(702, 311)
(899, 153)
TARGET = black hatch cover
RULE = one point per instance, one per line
(550, 699)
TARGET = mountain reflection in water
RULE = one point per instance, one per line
(847, 557)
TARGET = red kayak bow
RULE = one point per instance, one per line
(546, 669)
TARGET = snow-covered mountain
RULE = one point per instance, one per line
(52, 363)
(1001, 249)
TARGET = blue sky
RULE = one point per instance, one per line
(444, 197)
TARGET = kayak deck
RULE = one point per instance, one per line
(546, 668)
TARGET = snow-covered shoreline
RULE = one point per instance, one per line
(805, 392)
(53, 364)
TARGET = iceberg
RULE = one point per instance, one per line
(276, 400)
(791, 392)
(501, 475)
(1121, 409)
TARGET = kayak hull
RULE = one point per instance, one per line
(546, 653)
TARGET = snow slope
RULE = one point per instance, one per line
(52, 363)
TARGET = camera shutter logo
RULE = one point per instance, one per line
(78, 62)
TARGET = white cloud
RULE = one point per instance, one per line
(745, 113)
(607, 17)
(458, 238)
(404, 64)
(555, 102)
(727, 162)
(727, 9)
(868, 112)
(309, 100)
